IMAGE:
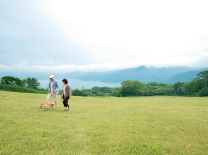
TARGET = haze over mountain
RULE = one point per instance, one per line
(143, 74)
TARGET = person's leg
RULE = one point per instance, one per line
(56, 100)
(48, 98)
(67, 104)
(64, 102)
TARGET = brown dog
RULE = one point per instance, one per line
(48, 106)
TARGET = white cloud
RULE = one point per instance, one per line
(112, 34)
(117, 31)
(196, 62)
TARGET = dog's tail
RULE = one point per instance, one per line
(52, 103)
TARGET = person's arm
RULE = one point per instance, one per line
(70, 92)
(49, 90)
(62, 94)
(57, 87)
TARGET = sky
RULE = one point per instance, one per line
(63, 36)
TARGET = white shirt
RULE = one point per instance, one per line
(64, 89)
(51, 85)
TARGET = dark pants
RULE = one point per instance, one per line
(65, 102)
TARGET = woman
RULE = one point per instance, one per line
(66, 94)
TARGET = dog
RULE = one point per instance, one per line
(48, 106)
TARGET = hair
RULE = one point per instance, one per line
(65, 80)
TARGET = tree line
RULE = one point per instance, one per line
(196, 87)
(29, 85)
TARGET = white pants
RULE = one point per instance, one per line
(55, 98)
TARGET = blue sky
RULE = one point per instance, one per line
(66, 36)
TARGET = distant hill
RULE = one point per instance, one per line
(143, 74)
(185, 77)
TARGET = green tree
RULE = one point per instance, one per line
(11, 80)
(85, 92)
(76, 92)
(116, 92)
(203, 92)
(31, 83)
(178, 87)
(154, 88)
(195, 86)
(96, 90)
(198, 85)
(105, 90)
(203, 76)
(131, 87)
(153, 83)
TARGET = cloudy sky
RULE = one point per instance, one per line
(102, 35)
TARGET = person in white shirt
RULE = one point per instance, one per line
(53, 90)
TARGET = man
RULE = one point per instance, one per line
(53, 90)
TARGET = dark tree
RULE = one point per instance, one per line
(31, 83)
(131, 87)
(76, 92)
(11, 80)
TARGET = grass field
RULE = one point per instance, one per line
(103, 125)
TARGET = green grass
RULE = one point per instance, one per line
(103, 125)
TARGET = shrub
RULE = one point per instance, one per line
(203, 92)
(15, 88)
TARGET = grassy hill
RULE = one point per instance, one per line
(99, 125)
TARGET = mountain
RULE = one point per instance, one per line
(143, 74)
(185, 77)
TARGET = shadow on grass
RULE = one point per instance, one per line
(55, 110)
